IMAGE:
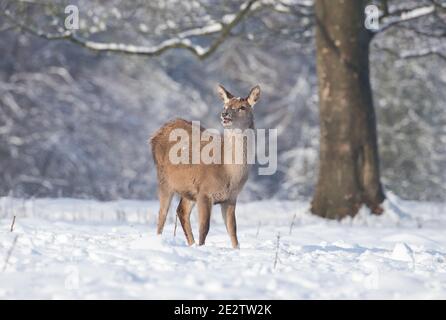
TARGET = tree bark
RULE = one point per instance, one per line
(349, 161)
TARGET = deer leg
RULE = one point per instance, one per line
(224, 208)
(165, 197)
(231, 225)
(183, 211)
(204, 216)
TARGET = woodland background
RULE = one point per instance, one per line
(75, 122)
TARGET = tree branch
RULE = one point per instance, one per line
(423, 53)
(404, 15)
(181, 41)
(414, 54)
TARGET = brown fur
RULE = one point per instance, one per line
(204, 184)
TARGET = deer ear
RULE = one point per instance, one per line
(254, 95)
(223, 93)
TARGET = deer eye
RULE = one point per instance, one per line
(242, 108)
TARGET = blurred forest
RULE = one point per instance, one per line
(74, 122)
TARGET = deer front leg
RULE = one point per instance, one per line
(183, 211)
(204, 216)
(165, 197)
(228, 210)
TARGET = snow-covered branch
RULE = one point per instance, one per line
(180, 41)
(390, 19)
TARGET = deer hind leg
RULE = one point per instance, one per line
(224, 208)
(228, 212)
(204, 216)
(183, 211)
(165, 198)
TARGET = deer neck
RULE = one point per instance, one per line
(235, 144)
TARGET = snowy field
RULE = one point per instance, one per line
(79, 249)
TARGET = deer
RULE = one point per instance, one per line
(204, 184)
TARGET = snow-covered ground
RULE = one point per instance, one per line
(65, 248)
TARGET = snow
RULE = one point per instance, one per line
(84, 249)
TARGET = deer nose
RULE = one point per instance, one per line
(225, 114)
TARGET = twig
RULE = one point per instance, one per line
(11, 202)
(419, 223)
(258, 229)
(12, 224)
(10, 253)
(176, 222)
(277, 250)
(292, 223)
(413, 55)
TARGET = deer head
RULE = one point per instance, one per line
(238, 112)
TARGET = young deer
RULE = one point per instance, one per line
(205, 184)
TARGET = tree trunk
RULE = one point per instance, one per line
(349, 161)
